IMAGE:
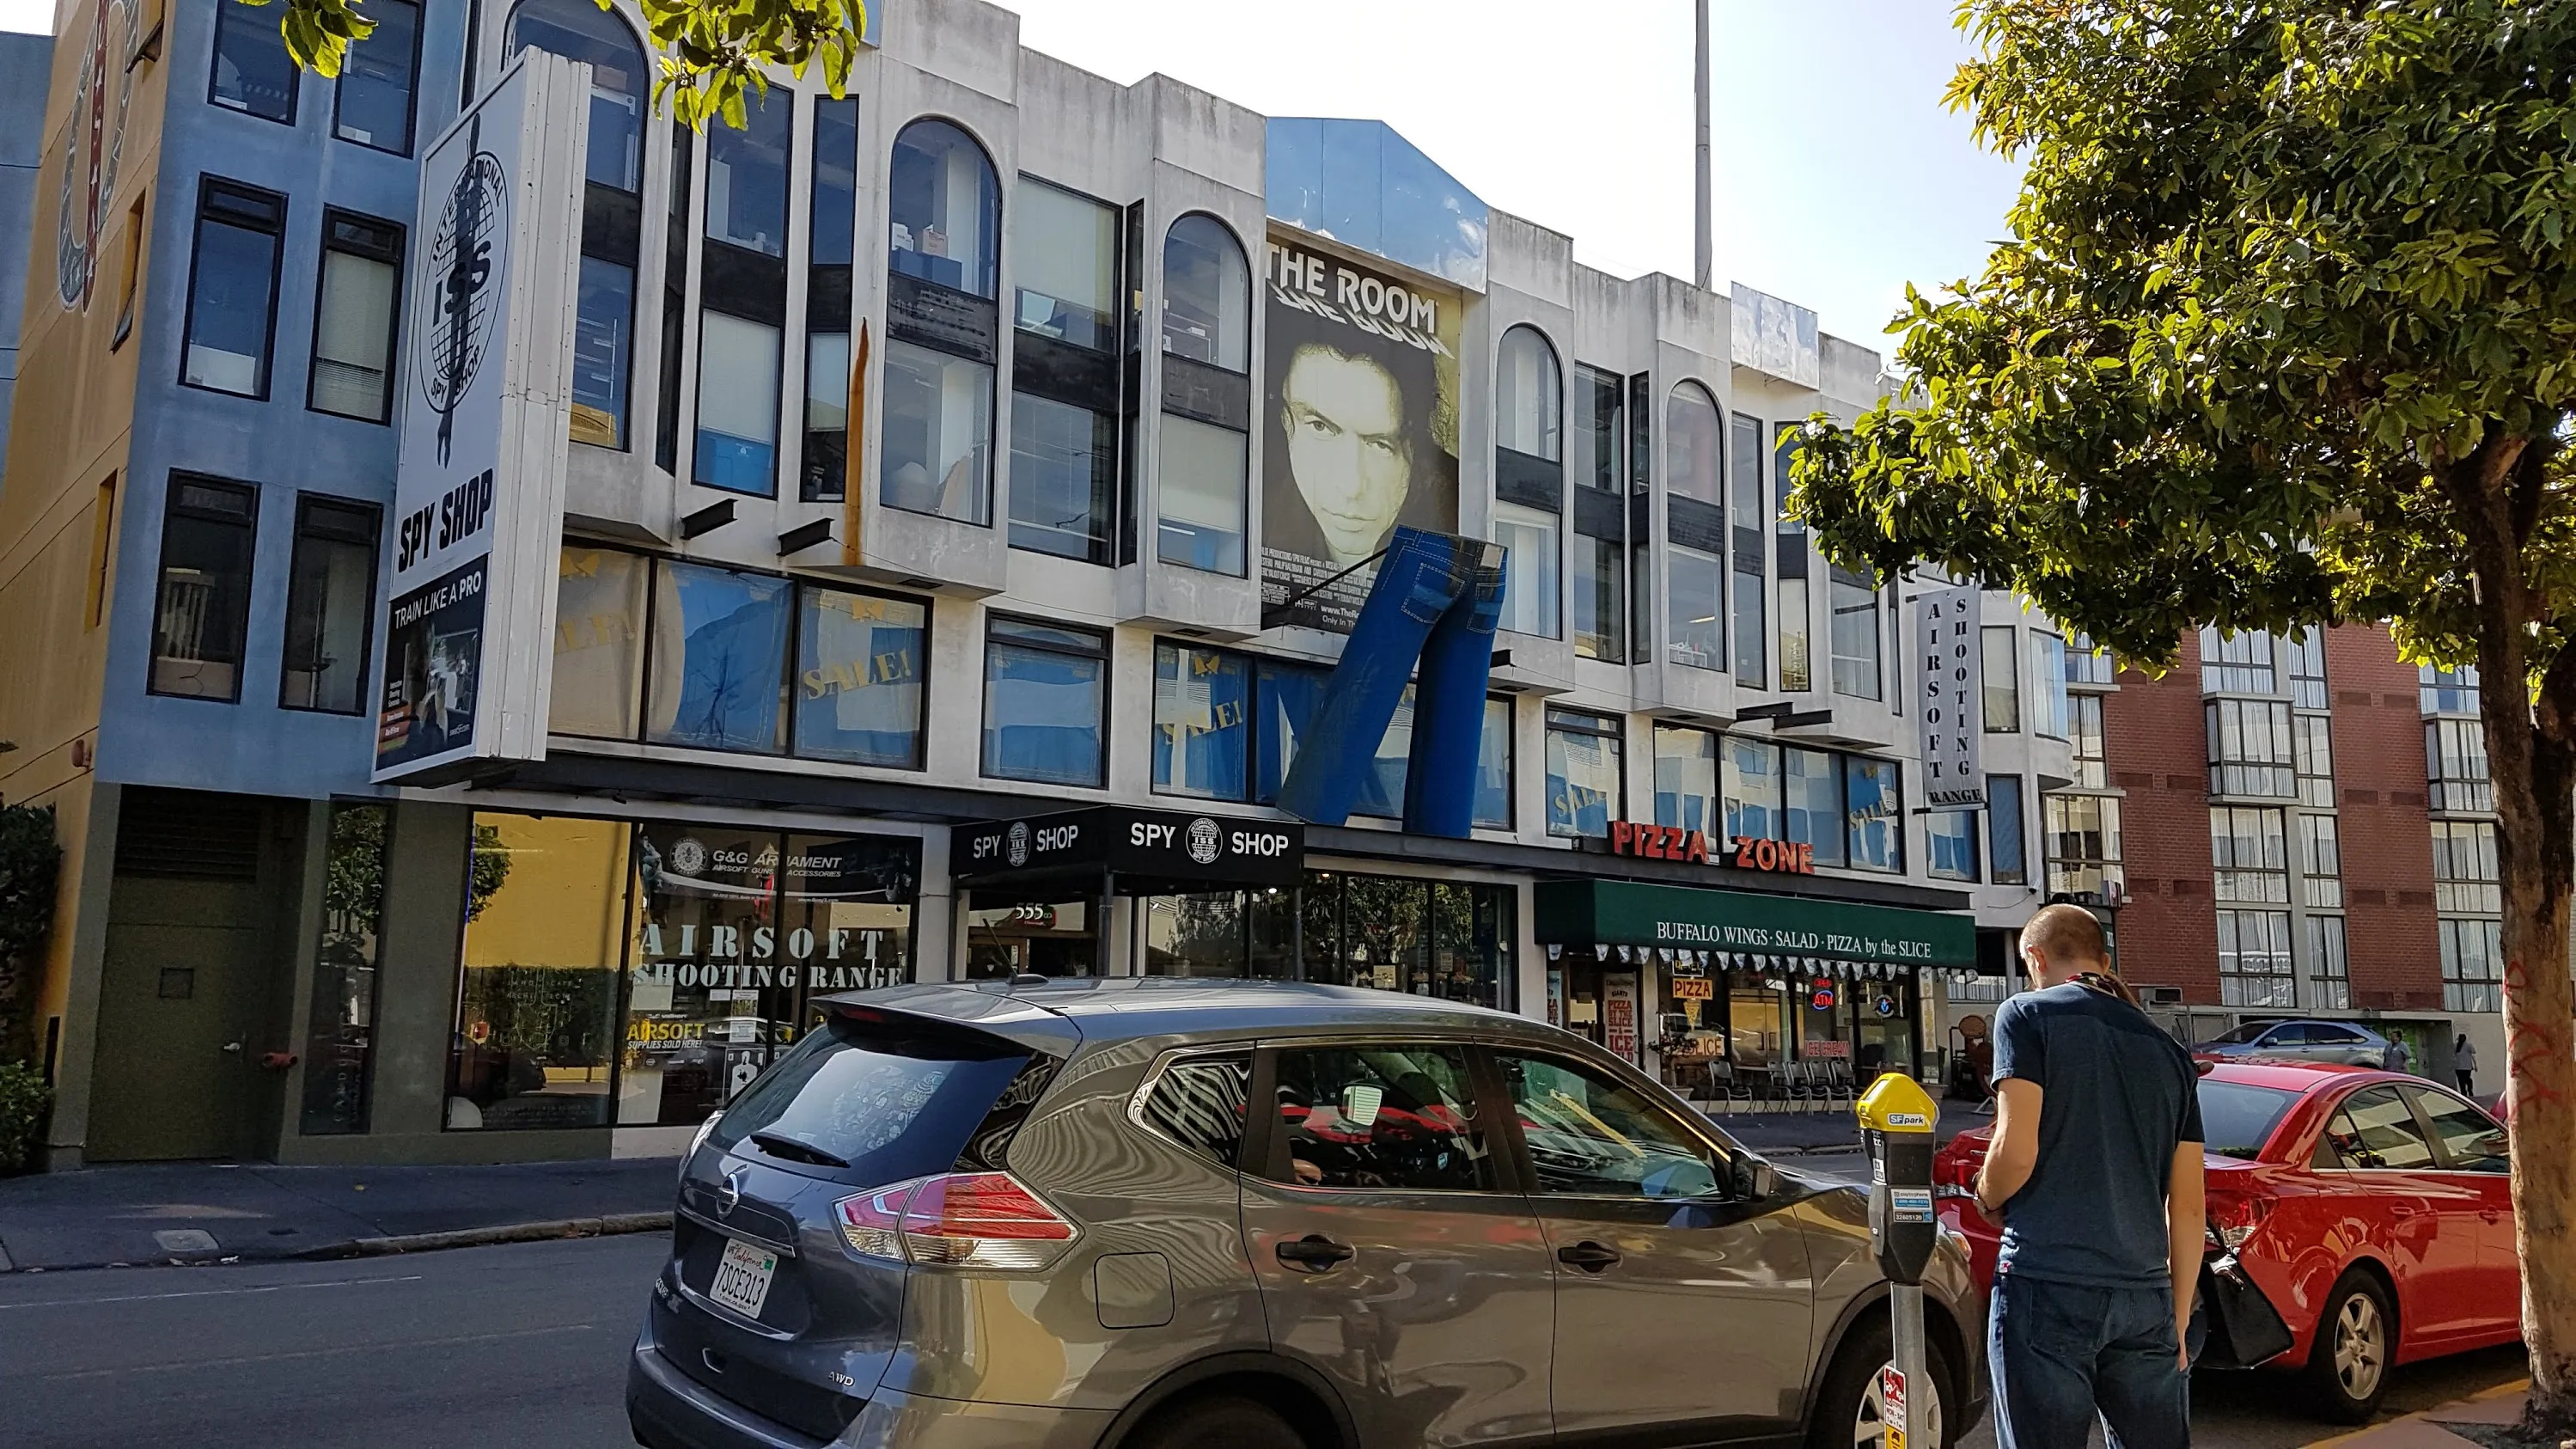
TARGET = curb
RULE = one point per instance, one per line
(611, 1225)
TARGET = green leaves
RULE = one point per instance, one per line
(319, 32)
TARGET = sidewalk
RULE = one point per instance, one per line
(207, 1213)
(2445, 1426)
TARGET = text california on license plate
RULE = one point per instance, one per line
(742, 1277)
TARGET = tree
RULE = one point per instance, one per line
(30, 866)
(2285, 332)
(711, 51)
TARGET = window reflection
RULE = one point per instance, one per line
(944, 209)
(719, 659)
(581, 30)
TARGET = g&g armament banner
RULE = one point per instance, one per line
(486, 425)
(1362, 424)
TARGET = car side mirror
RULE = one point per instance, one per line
(1755, 1179)
(2497, 1146)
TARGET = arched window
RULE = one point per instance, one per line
(1694, 432)
(1529, 478)
(945, 214)
(580, 30)
(1203, 462)
(1207, 290)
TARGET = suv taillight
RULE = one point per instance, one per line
(957, 1219)
(2233, 1220)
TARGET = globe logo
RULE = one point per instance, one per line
(1017, 851)
(1206, 843)
(688, 857)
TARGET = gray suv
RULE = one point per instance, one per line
(1153, 1214)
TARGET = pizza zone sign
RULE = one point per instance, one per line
(1743, 852)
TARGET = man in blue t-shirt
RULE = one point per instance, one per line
(2095, 1169)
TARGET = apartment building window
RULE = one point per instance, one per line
(2239, 663)
(1686, 783)
(2008, 859)
(2307, 654)
(1597, 561)
(742, 324)
(356, 317)
(581, 30)
(232, 288)
(2448, 691)
(1694, 432)
(1796, 671)
(1585, 772)
(2083, 840)
(2455, 761)
(675, 302)
(2048, 705)
(944, 214)
(202, 606)
(1599, 566)
(374, 104)
(1999, 678)
(2313, 737)
(2465, 877)
(1855, 634)
(1694, 600)
(2329, 970)
(2472, 964)
(330, 605)
(253, 73)
(1751, 523)
(2250, 751)
(1046, 703)
(1065, 253)
(2249, 853)
(1874, 805)
(2254, 959)
(1529, 479)
(1202, 469)
(1530, 585)
(2086, 749)
(1950, 842)
(2320, 862)
(831, 227)
(2085, 663)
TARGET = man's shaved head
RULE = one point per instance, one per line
(2069, 937)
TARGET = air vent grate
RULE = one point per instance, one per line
(189, 835)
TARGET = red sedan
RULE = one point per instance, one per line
(2372, 1209)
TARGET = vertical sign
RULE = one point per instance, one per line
(486, 426)
(1619, 1013)
(1946, 658)
(1891, 1405)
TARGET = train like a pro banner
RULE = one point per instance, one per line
(469, 607)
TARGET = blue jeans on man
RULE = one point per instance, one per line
(2063, 1351)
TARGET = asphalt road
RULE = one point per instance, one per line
(526, 1345)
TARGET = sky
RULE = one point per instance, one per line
(1840, 175)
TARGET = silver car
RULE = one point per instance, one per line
(1151, 1214)
(2343, 1042)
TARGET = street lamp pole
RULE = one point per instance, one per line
(1705, 269)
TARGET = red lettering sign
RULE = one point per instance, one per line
(1779, 856)
(1670, 842)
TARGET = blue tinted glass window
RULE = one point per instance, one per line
(1951, 839)
(1686, 779)
(1583, 773)
(375, 85)
(836, 181)
(1045, 691)
(253, 72)
(859, 670)
(1876, 805)
(600, 343)
(581, 30)
(1752, 789)
(747, 175)
(2003, 829)
(232, 293)
(1811, 784)
(1064, 470)
(944, 209)
(1202, 722)
(719, 677)
(1494, 767)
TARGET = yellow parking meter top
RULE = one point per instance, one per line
(1897, 1103)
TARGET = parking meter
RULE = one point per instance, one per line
(1896, 1120)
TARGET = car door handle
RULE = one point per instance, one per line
(2400, 1210)
(2490, 1214)
(1587, 1255)
(1313, 1253)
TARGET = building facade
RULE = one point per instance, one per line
(971, 484)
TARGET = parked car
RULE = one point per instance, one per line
(1151, 1214)
(2374, 1211)
(2348, 1043)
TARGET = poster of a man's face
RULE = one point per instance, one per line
(1363, 377)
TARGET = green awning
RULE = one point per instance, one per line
(1635, 913)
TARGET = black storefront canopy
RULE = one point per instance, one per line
(1139, 852)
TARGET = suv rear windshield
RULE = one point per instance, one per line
(2236, 1120)
(871, 1101)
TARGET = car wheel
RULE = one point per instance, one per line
(1222, 1423)
(1849, 1413)
(2356, 1343)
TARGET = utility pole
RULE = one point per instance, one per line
(1705, 268)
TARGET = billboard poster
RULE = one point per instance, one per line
(1948, 699)
(1361, 426)
(485, 429)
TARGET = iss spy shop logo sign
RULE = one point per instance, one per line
(468, 253)
(1206, 842)
(1016, 849)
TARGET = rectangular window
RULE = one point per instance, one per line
(2249, 855)
(1583, 773)
(1811, 794)
(2254, 959)
(2083, 840)
(1494, 766)
(675, 304)
(1855, 635)
(1287, 697)
(938, 413)
(2239, 663)
(827, 416)
(2250, 749)
(203, 606)
(1753, 795)
(747, 175)
(2465, 876)
(737, 404)
(2085, 745)
(1999, 676)
(339, 1039)
(2313, 736)
(861, 672)
(1064, 473)
(2048, 706)
(1530, 589)
(1202, 722)
(1750, 527)
(1064, 260)
(376, 82)
(355, 318)
(2011, 865)
(1600, 432)
(1046, 703)
(129, 269)
(2328, 967)
(1790, 542)
(1202, 475)
(539, 980)
(830, 234)
(1752, 630)
(718, 666)
(330, 605)
(602, 340)
(1686, 795)
(1797, 671)
(2307, 651)
(102, 551)
(2449, 691)
(1874, 796)
(1600, 602)
(1695, 598)
(232, 287)
(2086, 664)
(2320, 862)
(2472, 964)
(2455, 761)
(1950, 839)
(253, 73)
(601, 619)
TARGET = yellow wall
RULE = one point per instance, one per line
(564, 900)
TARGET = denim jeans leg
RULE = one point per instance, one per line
(2144, 1394)
(2041, 1340)
(1449, 707)
(1421, 576)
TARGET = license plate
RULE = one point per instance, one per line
(742, 1278)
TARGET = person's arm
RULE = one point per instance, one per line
(2014, 1150)
(2186, 1227)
